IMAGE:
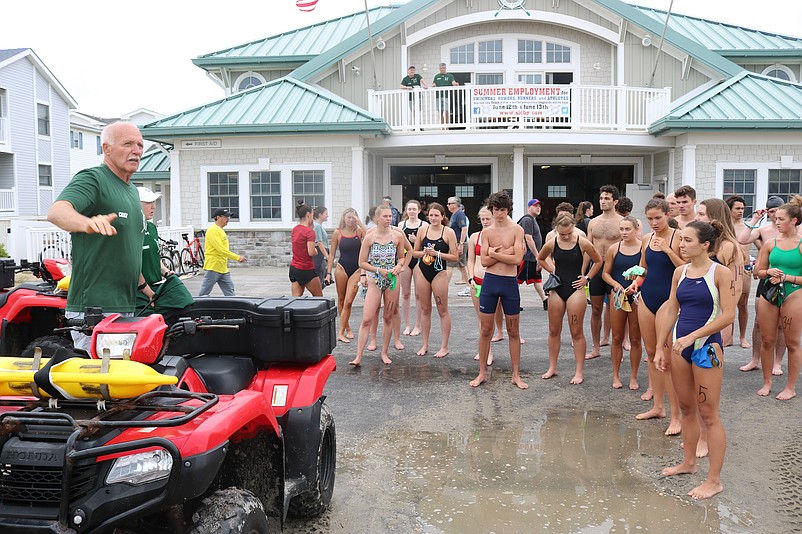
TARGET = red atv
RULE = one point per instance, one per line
(243, 435)
(32, 310)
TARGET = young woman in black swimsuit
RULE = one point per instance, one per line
(570, 296)
(410, 226)
(348, 239)
(434, 246)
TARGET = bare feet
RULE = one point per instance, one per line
(605, 342)
(490, 359)
(372, 346)
(442, 353)
(386, 359)
(777, 370)
(702, 449)
(633, 384)
(647, 395)
(349, 334)
(479, 380)
(745, 345)
(617, 383)
(415, 332)
(681, 469)
(592, 355)
(343, 339)
(751, 366)
(523, 341)
(786, 394)
(548, 374)
(627, 346)
(764, 391)
(578, 379)
(706, 490)
(399, 345)
(674, 428)
(405, 332)
(654, 413)
(422, 352)
(355, 362)
(516, 380)
(497, 338)
(476, 357)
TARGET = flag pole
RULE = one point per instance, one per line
(372, 52)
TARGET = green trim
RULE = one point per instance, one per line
(770, 55)
(664, 126)
(156, 133)
(150, 176)
(251, 61)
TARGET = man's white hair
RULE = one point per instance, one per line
(107, 136)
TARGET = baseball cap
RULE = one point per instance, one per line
(533, 202)
(221, 212)
(774, 202)
(146, 195)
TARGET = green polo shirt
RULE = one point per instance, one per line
(105, 269)
(443, 80)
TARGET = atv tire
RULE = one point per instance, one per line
(314, 502)
(48, 344)
(230, 511)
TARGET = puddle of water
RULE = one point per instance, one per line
(563, 472)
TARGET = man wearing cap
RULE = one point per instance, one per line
(217, 255)
(530, 272)
(459, 223)
(101, 210)
(755, 233)
(387, 200)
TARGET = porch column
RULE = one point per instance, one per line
(519, 199)
(175, 189)
(358, 180)
(689, 165)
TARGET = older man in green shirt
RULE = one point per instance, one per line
(444, 79)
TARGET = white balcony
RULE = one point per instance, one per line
(7, 202)
(3, 129)
(483, 107)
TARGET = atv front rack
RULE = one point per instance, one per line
(34, 412)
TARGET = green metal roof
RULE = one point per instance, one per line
(727, 39)
(294, 46)
(747, 101)
(283, 106)
(155, 165)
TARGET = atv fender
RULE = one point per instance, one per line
(290, 386)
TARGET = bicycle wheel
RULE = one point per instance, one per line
(167, 262)
(200, 257)
(188, 264)
(175, 257)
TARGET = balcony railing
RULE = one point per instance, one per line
(7, 202)
(482, 107)
(3, 130)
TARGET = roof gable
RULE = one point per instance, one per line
(747, 101)
(281, 106)
(12, 55)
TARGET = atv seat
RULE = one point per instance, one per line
(224, 375)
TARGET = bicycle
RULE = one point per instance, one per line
(192, 254)
(169, 255)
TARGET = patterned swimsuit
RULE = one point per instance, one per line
(382, 256)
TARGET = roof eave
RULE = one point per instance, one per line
(159, 134)
(149, 176)
(251, 61)
(665, 126)
(761, 54)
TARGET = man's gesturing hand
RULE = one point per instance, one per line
(101, 224)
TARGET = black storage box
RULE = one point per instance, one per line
(7, 273)
(277, 329)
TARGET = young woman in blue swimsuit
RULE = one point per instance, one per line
(660, 256)
(701, 303)
(381, 255)
(348, 239)
(434, 246)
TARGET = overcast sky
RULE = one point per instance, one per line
(114, 58)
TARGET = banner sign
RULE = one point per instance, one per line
(497, 101)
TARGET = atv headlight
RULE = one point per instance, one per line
(116, 343)
(141, 468)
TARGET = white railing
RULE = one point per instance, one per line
(7, 202)
(583, 107)
(3, 130)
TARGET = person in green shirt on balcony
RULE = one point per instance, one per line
(410, 82)
(444, 79)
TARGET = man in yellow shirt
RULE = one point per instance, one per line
(217, 256)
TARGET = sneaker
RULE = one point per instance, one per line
(545, 305)
(465, 292)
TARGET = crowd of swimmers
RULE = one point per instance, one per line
(672, 292)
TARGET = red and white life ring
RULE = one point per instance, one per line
(306, 5)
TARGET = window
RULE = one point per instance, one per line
(494, 78)
(249, 82)
(490, 51)
(530, 78)
(309, 187)
(266, 195)
(463, 54)
(741, 182)
(785, 182)
(557, 53)
(558, 191)
(99, 146)
(76, 139)
(427, 191)
(45, 175)
(464, 191)
(223, 192)
(781, 72)
(43, 119)
(530, 51)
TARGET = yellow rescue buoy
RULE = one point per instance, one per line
(80, 378)
(64, 284)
